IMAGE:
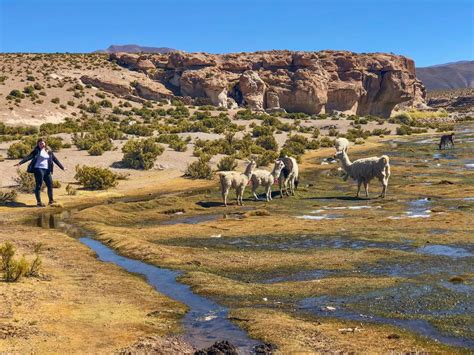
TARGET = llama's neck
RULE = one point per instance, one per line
(248, 170)
(276, 171)
(346, 163)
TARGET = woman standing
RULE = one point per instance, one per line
(41, 166)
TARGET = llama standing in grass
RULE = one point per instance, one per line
(266, 179)
(341, 145)
(236, 180)
(364, 170)
(445, 140)
(288, 176)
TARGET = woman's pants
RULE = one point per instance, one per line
(40, 176)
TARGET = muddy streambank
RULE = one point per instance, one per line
(205, 323)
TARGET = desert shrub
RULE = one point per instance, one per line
(404, 130)
(29, 89)
(7, 197)
(267, 142)
(33, 269)
(380, 132)
(354, 133)
(315, 133)
(25, 181)
(71, 190)
(136, 129)
(227, 164)
(12, 268)
(95, 178)
(55, 100)
(200, 169)
(262, 131)
(174, 141)
(96, 149)
(266, 158)
(16, 94)
(141, 154)
(87, 141)
(296, 145)
(56, 184)
(18, 150)
(54, 143)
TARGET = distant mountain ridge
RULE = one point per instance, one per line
(135, 48)
(447, 76)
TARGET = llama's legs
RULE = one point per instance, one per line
(366, 187)
(225, 192)
(254, 189)
(280, 183)
(268, 193)
(359, 182)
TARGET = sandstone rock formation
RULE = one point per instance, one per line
(310, 82)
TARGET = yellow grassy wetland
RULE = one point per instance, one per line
(320, 271)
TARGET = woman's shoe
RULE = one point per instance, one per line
(51, 202)
(40, 204)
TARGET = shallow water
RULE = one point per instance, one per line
(205, 323)
(407, 306)
(445, 250)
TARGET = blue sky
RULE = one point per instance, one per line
(429, 31)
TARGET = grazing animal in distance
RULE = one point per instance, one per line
(341, 145)
(366, 169)
(289, 176)
(236, 180)
(445, 140)
(266, 179)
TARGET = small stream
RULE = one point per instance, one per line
(206, 321)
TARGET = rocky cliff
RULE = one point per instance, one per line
(310, 82)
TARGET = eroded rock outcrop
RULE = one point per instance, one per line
(310, 82)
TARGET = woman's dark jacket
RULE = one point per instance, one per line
(33, 156)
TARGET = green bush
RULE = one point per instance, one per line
(55, 100)
(96, 149)
(55, 143)
(200, 169)
(12, 269)
(267, 142)
(95, 178)
(18, 150)
(26, 181)
(7, 197)
(141, 154)
(16, 93)
(227, 164)
(266, 158)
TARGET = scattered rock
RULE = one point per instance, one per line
(160, 346)
(329, 308)
(457, 279)
(265, 349)
(393, 336)
(219, 348)
(445, 182)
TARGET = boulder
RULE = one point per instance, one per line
(115, 86)
(252, 88)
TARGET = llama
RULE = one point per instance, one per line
(341, 145)
(364, 170)
(266, 179)
(445, 139)
(288, 176)
(236, 180)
